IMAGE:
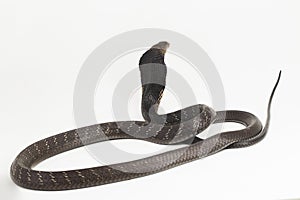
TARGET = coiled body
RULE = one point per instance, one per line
(172, 128)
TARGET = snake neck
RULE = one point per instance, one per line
(153, 77)
(151, 96)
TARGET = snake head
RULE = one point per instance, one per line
(162, 46)
(155, 54)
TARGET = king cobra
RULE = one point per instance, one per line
(179, 127)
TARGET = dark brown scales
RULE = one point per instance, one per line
(172, 128)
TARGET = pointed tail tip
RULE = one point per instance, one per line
(280, 73)
(278, 79)
(267, 123)
(273, 91)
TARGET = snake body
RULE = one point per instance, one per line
(173, 128)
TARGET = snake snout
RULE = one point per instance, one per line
(163, 45)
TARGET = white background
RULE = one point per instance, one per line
(43, 45)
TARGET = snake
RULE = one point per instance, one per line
(178, 127)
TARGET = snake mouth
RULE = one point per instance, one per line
(163, 46)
